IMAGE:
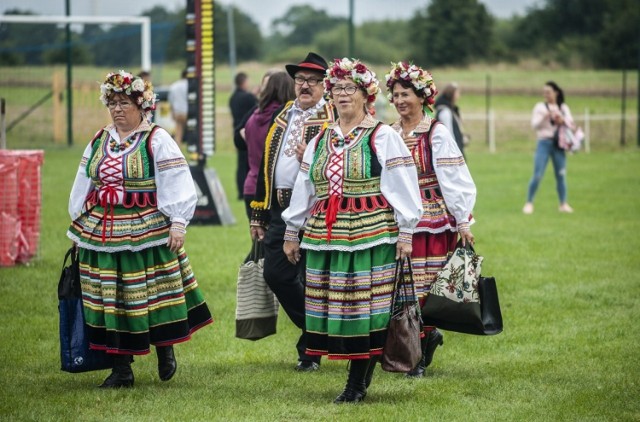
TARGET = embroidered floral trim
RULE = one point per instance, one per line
(399, 162)
(357, 72)
(405, 237)
(450, 161)
(458, 279)
(291, 235)
(178, 227)
(172, 163)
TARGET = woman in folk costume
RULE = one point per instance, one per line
(131, 201)
(447, 189)
(356, 197)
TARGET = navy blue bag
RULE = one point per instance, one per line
(75, 354)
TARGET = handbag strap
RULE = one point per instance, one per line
(70, 253)
(400, 275)
(257, 250)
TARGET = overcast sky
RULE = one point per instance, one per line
(261, 11)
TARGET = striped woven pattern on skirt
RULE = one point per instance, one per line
(348, 295)
(136, 299)
(132, 228)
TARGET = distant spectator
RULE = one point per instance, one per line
(240, 103)
(547, 117)
(179, 105)
(448, 113)
(145, 75)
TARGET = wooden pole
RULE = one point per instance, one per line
(58, 109)
(623, 111)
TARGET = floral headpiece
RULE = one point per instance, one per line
(357, 72)
(139, 90)
(418, 77)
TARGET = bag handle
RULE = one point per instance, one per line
(72, 252)
(400, 275)
(257, 250)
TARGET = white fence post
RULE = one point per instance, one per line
(587, 131)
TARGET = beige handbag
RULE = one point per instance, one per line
(256, 305)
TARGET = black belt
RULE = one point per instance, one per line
(284, 197)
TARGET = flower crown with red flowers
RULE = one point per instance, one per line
(139, 90)
(418, 77)
(357, 72)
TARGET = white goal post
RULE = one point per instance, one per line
(144, 21)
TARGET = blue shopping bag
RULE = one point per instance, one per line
(75, 355)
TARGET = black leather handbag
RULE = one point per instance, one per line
(75, 355)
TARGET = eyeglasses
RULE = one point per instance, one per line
(299, 80)
(124, 105)
(349, 89)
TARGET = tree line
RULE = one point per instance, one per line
(573, 33)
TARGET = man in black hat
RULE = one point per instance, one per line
(293, 127)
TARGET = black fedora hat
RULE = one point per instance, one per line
(313, 62)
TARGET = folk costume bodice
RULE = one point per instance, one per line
(125, 178)
(447, 190)
(133, 191)
(355, 190)
(273, 145)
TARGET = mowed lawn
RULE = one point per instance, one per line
(569, 288)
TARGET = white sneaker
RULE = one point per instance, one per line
(528, 208)
(565, 208)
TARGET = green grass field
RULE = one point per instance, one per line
(569, 287)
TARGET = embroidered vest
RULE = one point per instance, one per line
(138, 173)
(312, 126)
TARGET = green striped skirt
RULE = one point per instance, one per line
(347, 301)
(136, 299)
(135, 291)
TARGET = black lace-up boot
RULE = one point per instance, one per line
(121, 374)
(356, 390)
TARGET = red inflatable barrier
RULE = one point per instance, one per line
(20, 204)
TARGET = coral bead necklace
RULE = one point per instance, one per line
(339, 141)
(117, 147)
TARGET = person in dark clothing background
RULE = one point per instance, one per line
(241, 102)
(448, 113)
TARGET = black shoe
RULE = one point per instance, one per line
(418, 371)
(121, 375)
(434, 340)
(356, 389)
(307, 366)
(167, 364)
(351, 395)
